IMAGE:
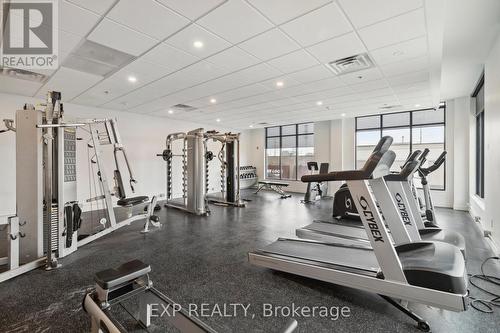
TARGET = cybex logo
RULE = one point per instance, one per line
(372, 224)
(29, 35)
(402, 209)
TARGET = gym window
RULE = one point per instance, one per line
(288, 149)
(479, 95)
(411, 130)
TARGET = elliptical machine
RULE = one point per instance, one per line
(429, 205)
(316, 190)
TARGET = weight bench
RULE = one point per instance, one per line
(274, 186)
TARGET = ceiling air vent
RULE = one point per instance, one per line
(22, 74)
(183, 107)
(96, 59)
(351, 64)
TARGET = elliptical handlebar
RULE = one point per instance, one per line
(423, 156)
(439, 161)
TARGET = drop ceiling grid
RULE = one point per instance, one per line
(290, 62)
(293, 52)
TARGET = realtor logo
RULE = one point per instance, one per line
(29, 36)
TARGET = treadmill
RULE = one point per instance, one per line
(431, 273)
(401, 192)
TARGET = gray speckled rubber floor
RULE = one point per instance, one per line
(204, 260)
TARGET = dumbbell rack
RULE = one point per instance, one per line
(248, 176)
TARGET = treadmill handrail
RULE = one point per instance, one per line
(405, 173)
(411, 157)
(384, 144)
(377, 160)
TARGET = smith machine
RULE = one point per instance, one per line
(194, 159)
(47, 224)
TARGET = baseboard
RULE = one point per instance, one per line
(464, 208)
(494, 246)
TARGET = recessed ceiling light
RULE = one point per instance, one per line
(319, 103)
(251, 126)
(417, 105)
(342, 114)
(217, 120)
(213, 100)
(198, 44)
(132, 79)
(170, 111)
(279, 84)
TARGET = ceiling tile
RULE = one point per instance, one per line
(169, 57)
(105, 91)
(233, 59)
(234, 94)
(121, 38)
(256, 73)
(269, 45)
(311, 74)
(408, 78)
(70, 82)
(155, 20)
(67, 41)
(97, 6)
(187, 77)
(362, 76)
(395, 30)
(366, 12)
(371, 85)
(318, 25)
(293, 62)
(406, 66)
(143, 71)
(280, 11)
(287, 82)
(184, 40)
(76, 20)
(226, 21)
(401, 51)
(15, 86)
(192, 9)
(337, 48)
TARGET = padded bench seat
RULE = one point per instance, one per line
(274, 186)
(129, 271)
(132, 201)
(271, 182)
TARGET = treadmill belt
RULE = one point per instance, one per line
(334, 229)
(326, 254)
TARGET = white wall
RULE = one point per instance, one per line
(143, 137)
(488, 209)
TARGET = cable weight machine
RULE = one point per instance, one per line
(194, 158)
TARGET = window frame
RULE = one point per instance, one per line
(479, 144)
(410, 125)
(280, 136)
